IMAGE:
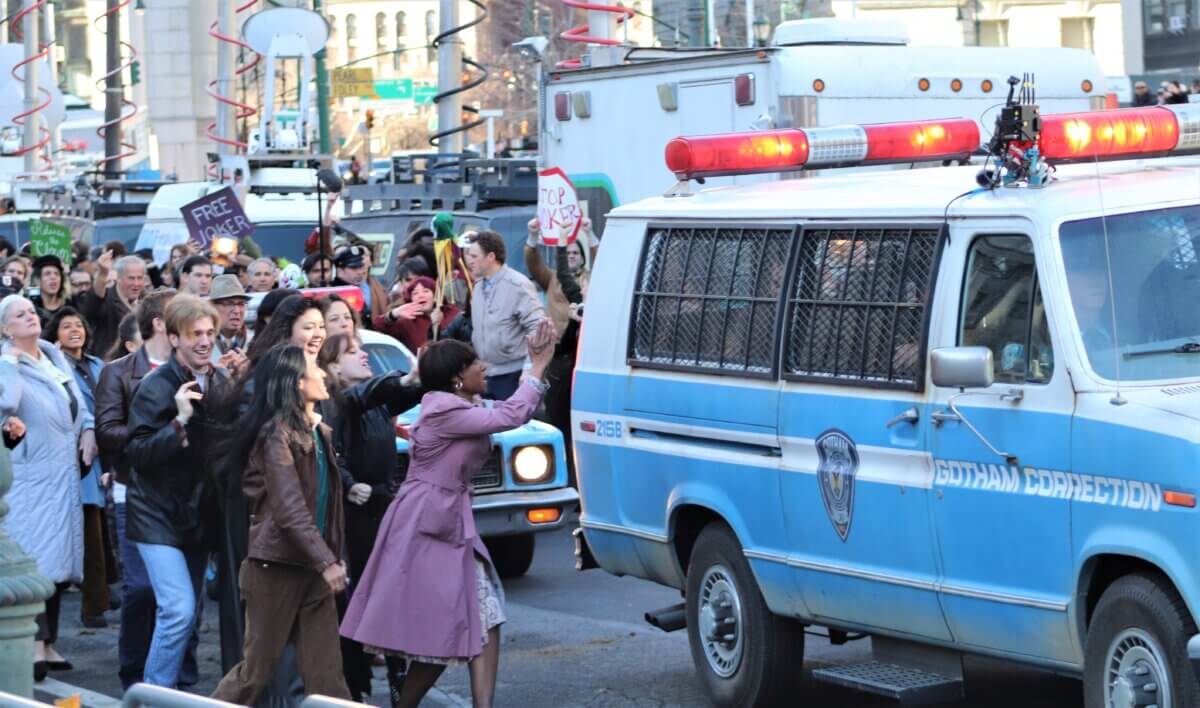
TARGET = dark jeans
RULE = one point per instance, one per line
(137, 617)
(47, 622)
(94, 591)
(501, 386)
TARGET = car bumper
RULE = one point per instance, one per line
(504, 513)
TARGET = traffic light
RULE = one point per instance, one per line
(370, 119)
(135, 73)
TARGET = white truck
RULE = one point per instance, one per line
(602, 121)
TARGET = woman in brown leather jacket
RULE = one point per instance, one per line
(292, 571)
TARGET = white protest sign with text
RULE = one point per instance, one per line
(559, 215)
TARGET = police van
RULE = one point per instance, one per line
(958, 419)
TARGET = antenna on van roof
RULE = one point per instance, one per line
(1118, 399)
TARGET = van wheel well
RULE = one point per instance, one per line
(1107, 569)
(689, 522)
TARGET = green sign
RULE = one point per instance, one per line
(423, 95)
(395, 89)
(48, 239)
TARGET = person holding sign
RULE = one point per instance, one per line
(565, 288)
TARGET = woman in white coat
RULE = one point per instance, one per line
(46, 518)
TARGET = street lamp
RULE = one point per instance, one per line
(762, 30)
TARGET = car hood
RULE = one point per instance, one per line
(1179, 403)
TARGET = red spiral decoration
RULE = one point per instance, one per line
(580, 33)
(43, 52)
(128, 149)
(244, 110)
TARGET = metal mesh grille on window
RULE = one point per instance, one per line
(707, 298)
(858, 305)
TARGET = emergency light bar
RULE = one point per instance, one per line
(1064, 138)
(796, 149)
(1128, 132)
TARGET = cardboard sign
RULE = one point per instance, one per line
(49, 239)
(218, 214)
(160, 237)
(559, 215)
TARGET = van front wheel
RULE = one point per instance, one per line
(1137, 648)
(744, 655)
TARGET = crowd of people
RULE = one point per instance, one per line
(155, 435)
(1169, 93)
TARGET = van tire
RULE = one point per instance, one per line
(1141, 623)
(512, 555)
(763, 666)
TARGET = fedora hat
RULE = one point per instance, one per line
(227, 287)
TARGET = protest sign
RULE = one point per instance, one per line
(558, 210)
(50, 239)
(215, 215)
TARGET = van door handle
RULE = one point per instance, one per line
(912, 415)
(944, 416)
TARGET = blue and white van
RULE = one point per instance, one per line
(958, 420)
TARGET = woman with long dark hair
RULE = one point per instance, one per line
(297, 321)
(293, 569)
(430, 593)
(363, 407)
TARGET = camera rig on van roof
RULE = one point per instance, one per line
(439, 182)
(1014, 143)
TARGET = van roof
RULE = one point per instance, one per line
(924, 193)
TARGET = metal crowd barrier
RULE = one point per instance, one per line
(8, 700)
(146, 696)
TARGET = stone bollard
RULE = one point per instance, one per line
(23, 591)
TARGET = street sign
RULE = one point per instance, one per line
(394, 89)
(353, 82)
(423, 95)
(558, 208)
(218, 214)
(49, 239)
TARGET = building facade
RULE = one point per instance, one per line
(1095, 25)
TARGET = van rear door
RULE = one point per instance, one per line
(701, 399)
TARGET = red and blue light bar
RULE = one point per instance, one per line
(1065, 137)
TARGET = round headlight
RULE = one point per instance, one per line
(531, 464)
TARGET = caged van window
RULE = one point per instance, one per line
(858, 306)
(707, 299)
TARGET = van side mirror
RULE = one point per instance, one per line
(962, 367)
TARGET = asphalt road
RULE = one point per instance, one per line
(578, 639)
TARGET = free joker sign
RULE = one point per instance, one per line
(559, 215)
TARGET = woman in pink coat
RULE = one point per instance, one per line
(430, 593)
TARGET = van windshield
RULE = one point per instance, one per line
(1155, 283)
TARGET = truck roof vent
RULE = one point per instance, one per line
(834, 31)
